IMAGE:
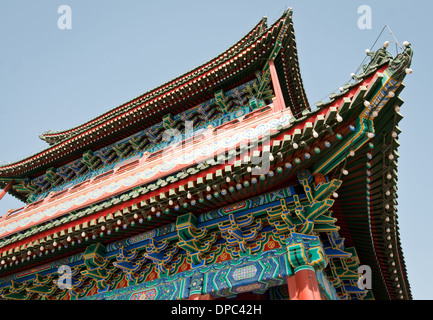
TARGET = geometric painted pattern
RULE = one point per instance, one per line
(145, 295)
(250, 287)
(255, 273)
(270, 270)
(245, 272)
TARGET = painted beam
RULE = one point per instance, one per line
(6, 189)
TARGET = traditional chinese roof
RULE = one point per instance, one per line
(236, 65)
(352, 139)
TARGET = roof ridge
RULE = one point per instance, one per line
(252, 35)
(258, 34)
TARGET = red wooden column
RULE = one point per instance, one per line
(303, 285)
(201, 297)
(279, 100)
(6, 189)
(293, 288)
(308, 288)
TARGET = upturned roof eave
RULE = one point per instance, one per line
(60, 135)
(364, 234)
(258, 31)
(24, 166)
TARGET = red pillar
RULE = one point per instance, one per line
(303, 285)
(293, 288)
(279, 100)
(6, 189)
(201, 297)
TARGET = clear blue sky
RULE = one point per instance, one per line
(116, 50)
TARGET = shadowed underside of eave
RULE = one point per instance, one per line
(374, 232)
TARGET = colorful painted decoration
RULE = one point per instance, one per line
(225, 185)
